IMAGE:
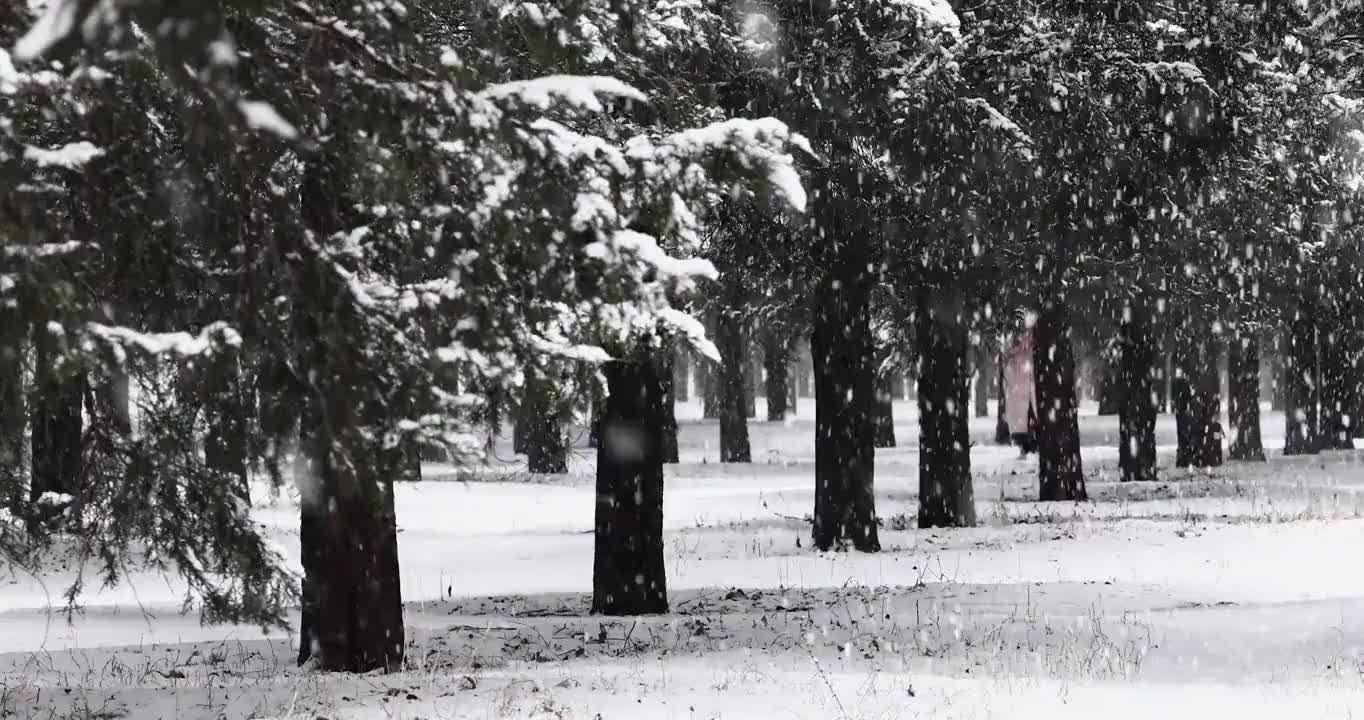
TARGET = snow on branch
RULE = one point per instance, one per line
(1181, 69)
(935, 14)
(758, 145)
(691, 330)
(579, 92)
(40, 250)
(9, 76)
(72, 156)
(646, 248)
(260, 115)
(183, 344)
(998, 121)
(56, 23)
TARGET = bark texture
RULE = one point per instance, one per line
(734, 447)
(946, 497)
(1243, 398)
(1058, 427)
(628, 575)
(776, 360)
(1301, 387)
(1137, 378)
(841, 343)
(1198, 403)
(885, 412)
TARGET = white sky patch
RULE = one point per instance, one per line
(262, 116)
(71, 156)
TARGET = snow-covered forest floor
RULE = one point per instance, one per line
(1228, 594)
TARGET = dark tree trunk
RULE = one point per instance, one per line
(1337, 383)
(628, 575)
(493, 418)
(841, 344)
(542, 435)
(982, 381)
(594, 425)
(352, 600)
(1137, 376)
(57, 434)
(884, 432)
(520, 419)
(1278, 394)
(1243, 397)
(12, 422)
(681, 376)
(1058, 424)
(710, 380)
(776, 359)
(791, 395)
(352, 604)
(804, 373)
(751, 370)
(411, 470)
(667, 409)
(227, 412)
(946, 498)
(734, 446)
(1180, 394)
(1162, 383)
(1001, 426)
(1110, 390)
(1198, 404)
(1300, 378)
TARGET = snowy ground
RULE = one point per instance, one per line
(1205, 595)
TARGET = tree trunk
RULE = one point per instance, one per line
(12, 423)
(57, 435)
(352, 600)
(1300, 386)
(1110, 390)
(227, 413)
(792, 370)
(352, 604)
(1058, 424)
(804, 372)
(542, 435)
(1337, 383)
(946, 498)
(1001, 426)
(734, 446)
(594, 425)
(1198, 406)
(628, 575)
(710, 380)
(884, 419)
(1137, 377)
(667, 408)
(776, 359)
(1243, 397)
(751, 371)
(681, 375)
(520, 419)
(1162, 383)
(982, 381)
(1278, 393)
(841, 344)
